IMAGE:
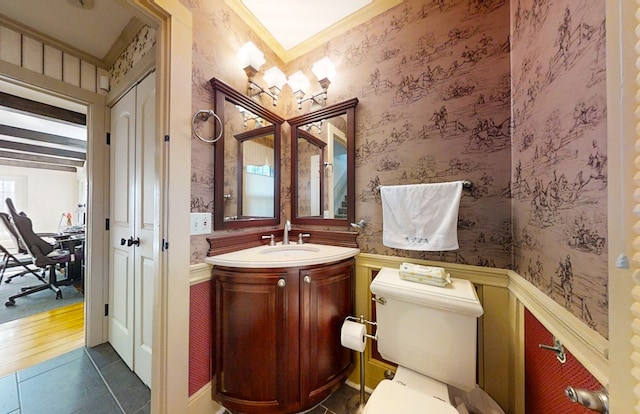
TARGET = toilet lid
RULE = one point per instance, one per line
(393, 397)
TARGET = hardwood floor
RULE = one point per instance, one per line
(37, 338)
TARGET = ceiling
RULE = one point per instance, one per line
(292, 28)
(38, 130)
(82, 29)
(79, 25)
(308, 23)
(299, 27)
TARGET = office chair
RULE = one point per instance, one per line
(21, 258)
(44, 256)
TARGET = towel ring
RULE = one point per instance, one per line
(204, 115)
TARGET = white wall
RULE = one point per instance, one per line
(48, 194)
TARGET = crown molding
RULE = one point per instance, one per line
(361, 16)
(126, 36)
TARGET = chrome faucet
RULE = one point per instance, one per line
(285, 236)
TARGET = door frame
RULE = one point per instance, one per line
(170, 358)
(623, 138)
(170, 371)
(98, 189)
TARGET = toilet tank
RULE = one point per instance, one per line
(429, 329)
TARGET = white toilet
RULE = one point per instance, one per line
(430, 332)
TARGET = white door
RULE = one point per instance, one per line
(122, 206)
(132, 227)
(145, 226)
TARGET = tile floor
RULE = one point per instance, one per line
(335, 403)
(96, 381)
(87, 380)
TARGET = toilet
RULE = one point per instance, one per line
(430, 332)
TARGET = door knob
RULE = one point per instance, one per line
(282, 283)
(123, 242)
(131, 241)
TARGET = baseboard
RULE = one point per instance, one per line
(201, 402)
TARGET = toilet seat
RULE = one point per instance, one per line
(393, 397)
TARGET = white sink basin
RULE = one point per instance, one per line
(291, 250)
(291, 255)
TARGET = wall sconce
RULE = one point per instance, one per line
(249, 116)
(324, 71)
(317, 125)
(251, 59)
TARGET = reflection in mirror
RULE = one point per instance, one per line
(310, 187)
(323, 152)
(247, 162)
(256, 187)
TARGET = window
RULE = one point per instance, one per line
(13, 187)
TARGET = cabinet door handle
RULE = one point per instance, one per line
(307, 279)
(123, 242)
(282, 283)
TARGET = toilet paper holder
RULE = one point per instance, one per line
(362, 320)
(356, 404)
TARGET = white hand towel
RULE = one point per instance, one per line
(421, 217)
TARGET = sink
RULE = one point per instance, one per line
(283, 255)
(289, 250)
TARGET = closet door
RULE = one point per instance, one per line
(146, 225)
(121, 226)
(133, 227)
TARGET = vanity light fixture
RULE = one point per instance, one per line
(249, 116)
(299, 84)
(318, 125)
(251, 59)
(324, 71)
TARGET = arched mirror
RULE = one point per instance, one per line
(247, 162)
(323, 162)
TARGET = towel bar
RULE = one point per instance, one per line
(465, 184)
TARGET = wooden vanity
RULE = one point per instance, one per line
(276, 345)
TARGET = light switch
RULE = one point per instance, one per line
(200, 223)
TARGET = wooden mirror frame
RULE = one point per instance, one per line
(224, 93)
(347, 108)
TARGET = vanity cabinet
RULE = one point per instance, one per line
(277, 335)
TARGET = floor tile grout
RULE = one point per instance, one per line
(16, 387)
(103, 379)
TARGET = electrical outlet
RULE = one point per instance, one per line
(200, 223)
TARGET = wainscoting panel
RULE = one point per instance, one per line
(200, 329)
(513, 309)
(494, 354)
(546, 378)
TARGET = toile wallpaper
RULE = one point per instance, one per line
(559, 166)
(508, 96)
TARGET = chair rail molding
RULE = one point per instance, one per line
(589, 347)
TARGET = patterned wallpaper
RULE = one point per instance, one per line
(433, 83)
(137, 48)
(559, 173)
(217, 36)
(434, 79)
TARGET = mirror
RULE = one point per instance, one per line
(247, 161)
(323, 163)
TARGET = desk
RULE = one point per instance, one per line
(74, 243)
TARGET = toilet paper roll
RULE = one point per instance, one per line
(352, 336)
